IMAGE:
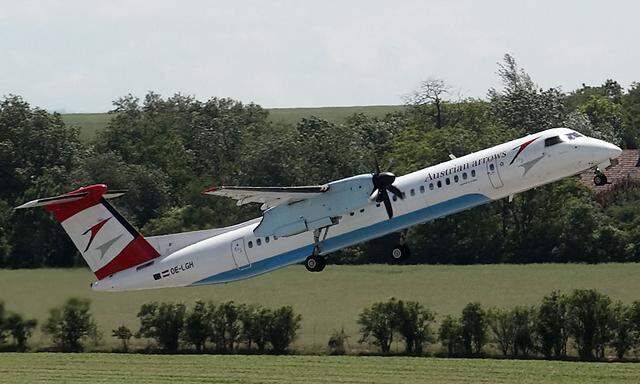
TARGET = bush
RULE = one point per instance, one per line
(71, 324)
(450, 335)
(225, 325)
(503, 328)
(124, 335)
(623, 334)
(256, 322)
(410, 320)
(197, 326)
(550, 325)
(283, 328)
(589, 320)
(162, 322)
(474, 328)
(338, 342)
(20, 330)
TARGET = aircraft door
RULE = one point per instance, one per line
(240, 254)
(494, 175)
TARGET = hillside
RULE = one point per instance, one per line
(91, 123)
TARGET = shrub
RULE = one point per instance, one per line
(124, 335)
(256, 322)
(589, 320)
(338, 342)
(20, 330)
(225, 325)
(503, 328)
(410, 320)
(523, 321)
(474, 328)
(550, 325)
(623, 335)
(377, 324)
(413, 322)
(71, 324)
(197, 326)
(283, 328)
(450, 335)
(163, 323)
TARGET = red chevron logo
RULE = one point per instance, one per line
(94, 231)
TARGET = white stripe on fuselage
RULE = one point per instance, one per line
(465, 182)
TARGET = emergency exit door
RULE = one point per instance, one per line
(494, 175)
(240, 254)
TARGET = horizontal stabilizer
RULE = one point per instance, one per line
(53, 200)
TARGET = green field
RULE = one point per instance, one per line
(327, 300)
(91, 123)
(119, 368)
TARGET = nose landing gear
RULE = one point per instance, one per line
(600, 178)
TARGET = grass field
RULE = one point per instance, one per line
(119, 368)
(91, 123)
(327, 300)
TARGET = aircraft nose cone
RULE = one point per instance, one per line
(615, 150)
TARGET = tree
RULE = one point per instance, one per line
(474, 328)
(589, 319)
(502, 325)
(430, 93)
(550, 325)
(256, 322)
(225, 325)
(413, 324)
(450, 335)
(70, 324)
(162, 322)
(123, 334)
(283, 328)
(197, 325)
(377, 324)
(623, 335)
(523, 320)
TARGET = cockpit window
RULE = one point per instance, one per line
(552, 141)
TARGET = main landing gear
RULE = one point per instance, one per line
(400, 251)
(600, 178)
(316, 262)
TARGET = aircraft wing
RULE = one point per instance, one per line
(268, 196)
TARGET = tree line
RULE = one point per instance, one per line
(584, 324)
(165, 151)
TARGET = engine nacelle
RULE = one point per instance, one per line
(342, 197)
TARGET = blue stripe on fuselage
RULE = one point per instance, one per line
(350, 238)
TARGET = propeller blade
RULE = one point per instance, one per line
(393, 189)
(387, 203)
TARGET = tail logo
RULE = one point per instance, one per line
(521, 148)
(94, 231)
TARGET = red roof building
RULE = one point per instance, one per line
(627, 168)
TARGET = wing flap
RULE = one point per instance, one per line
(268, 196)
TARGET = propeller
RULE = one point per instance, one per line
(382, 184)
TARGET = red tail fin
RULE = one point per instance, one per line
(105, 239)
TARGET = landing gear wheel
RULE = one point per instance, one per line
(399, 253)
(315, 263)
(600, 179)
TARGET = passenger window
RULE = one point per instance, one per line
(395, 198)
(431, 186)
(464, 176)
(258, 242)
(351, 213)
(378, 205)
(422, 189)
(456, 178)
(266, 239)
(447, 181)
(473, 173)
(552, 141)
(412, 192)
(251, 244)
(362, 210)
(439, 184)
(492, 167)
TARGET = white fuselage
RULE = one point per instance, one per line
(430, 193)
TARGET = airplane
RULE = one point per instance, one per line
(305, 223)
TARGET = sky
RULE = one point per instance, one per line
(78, 56)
